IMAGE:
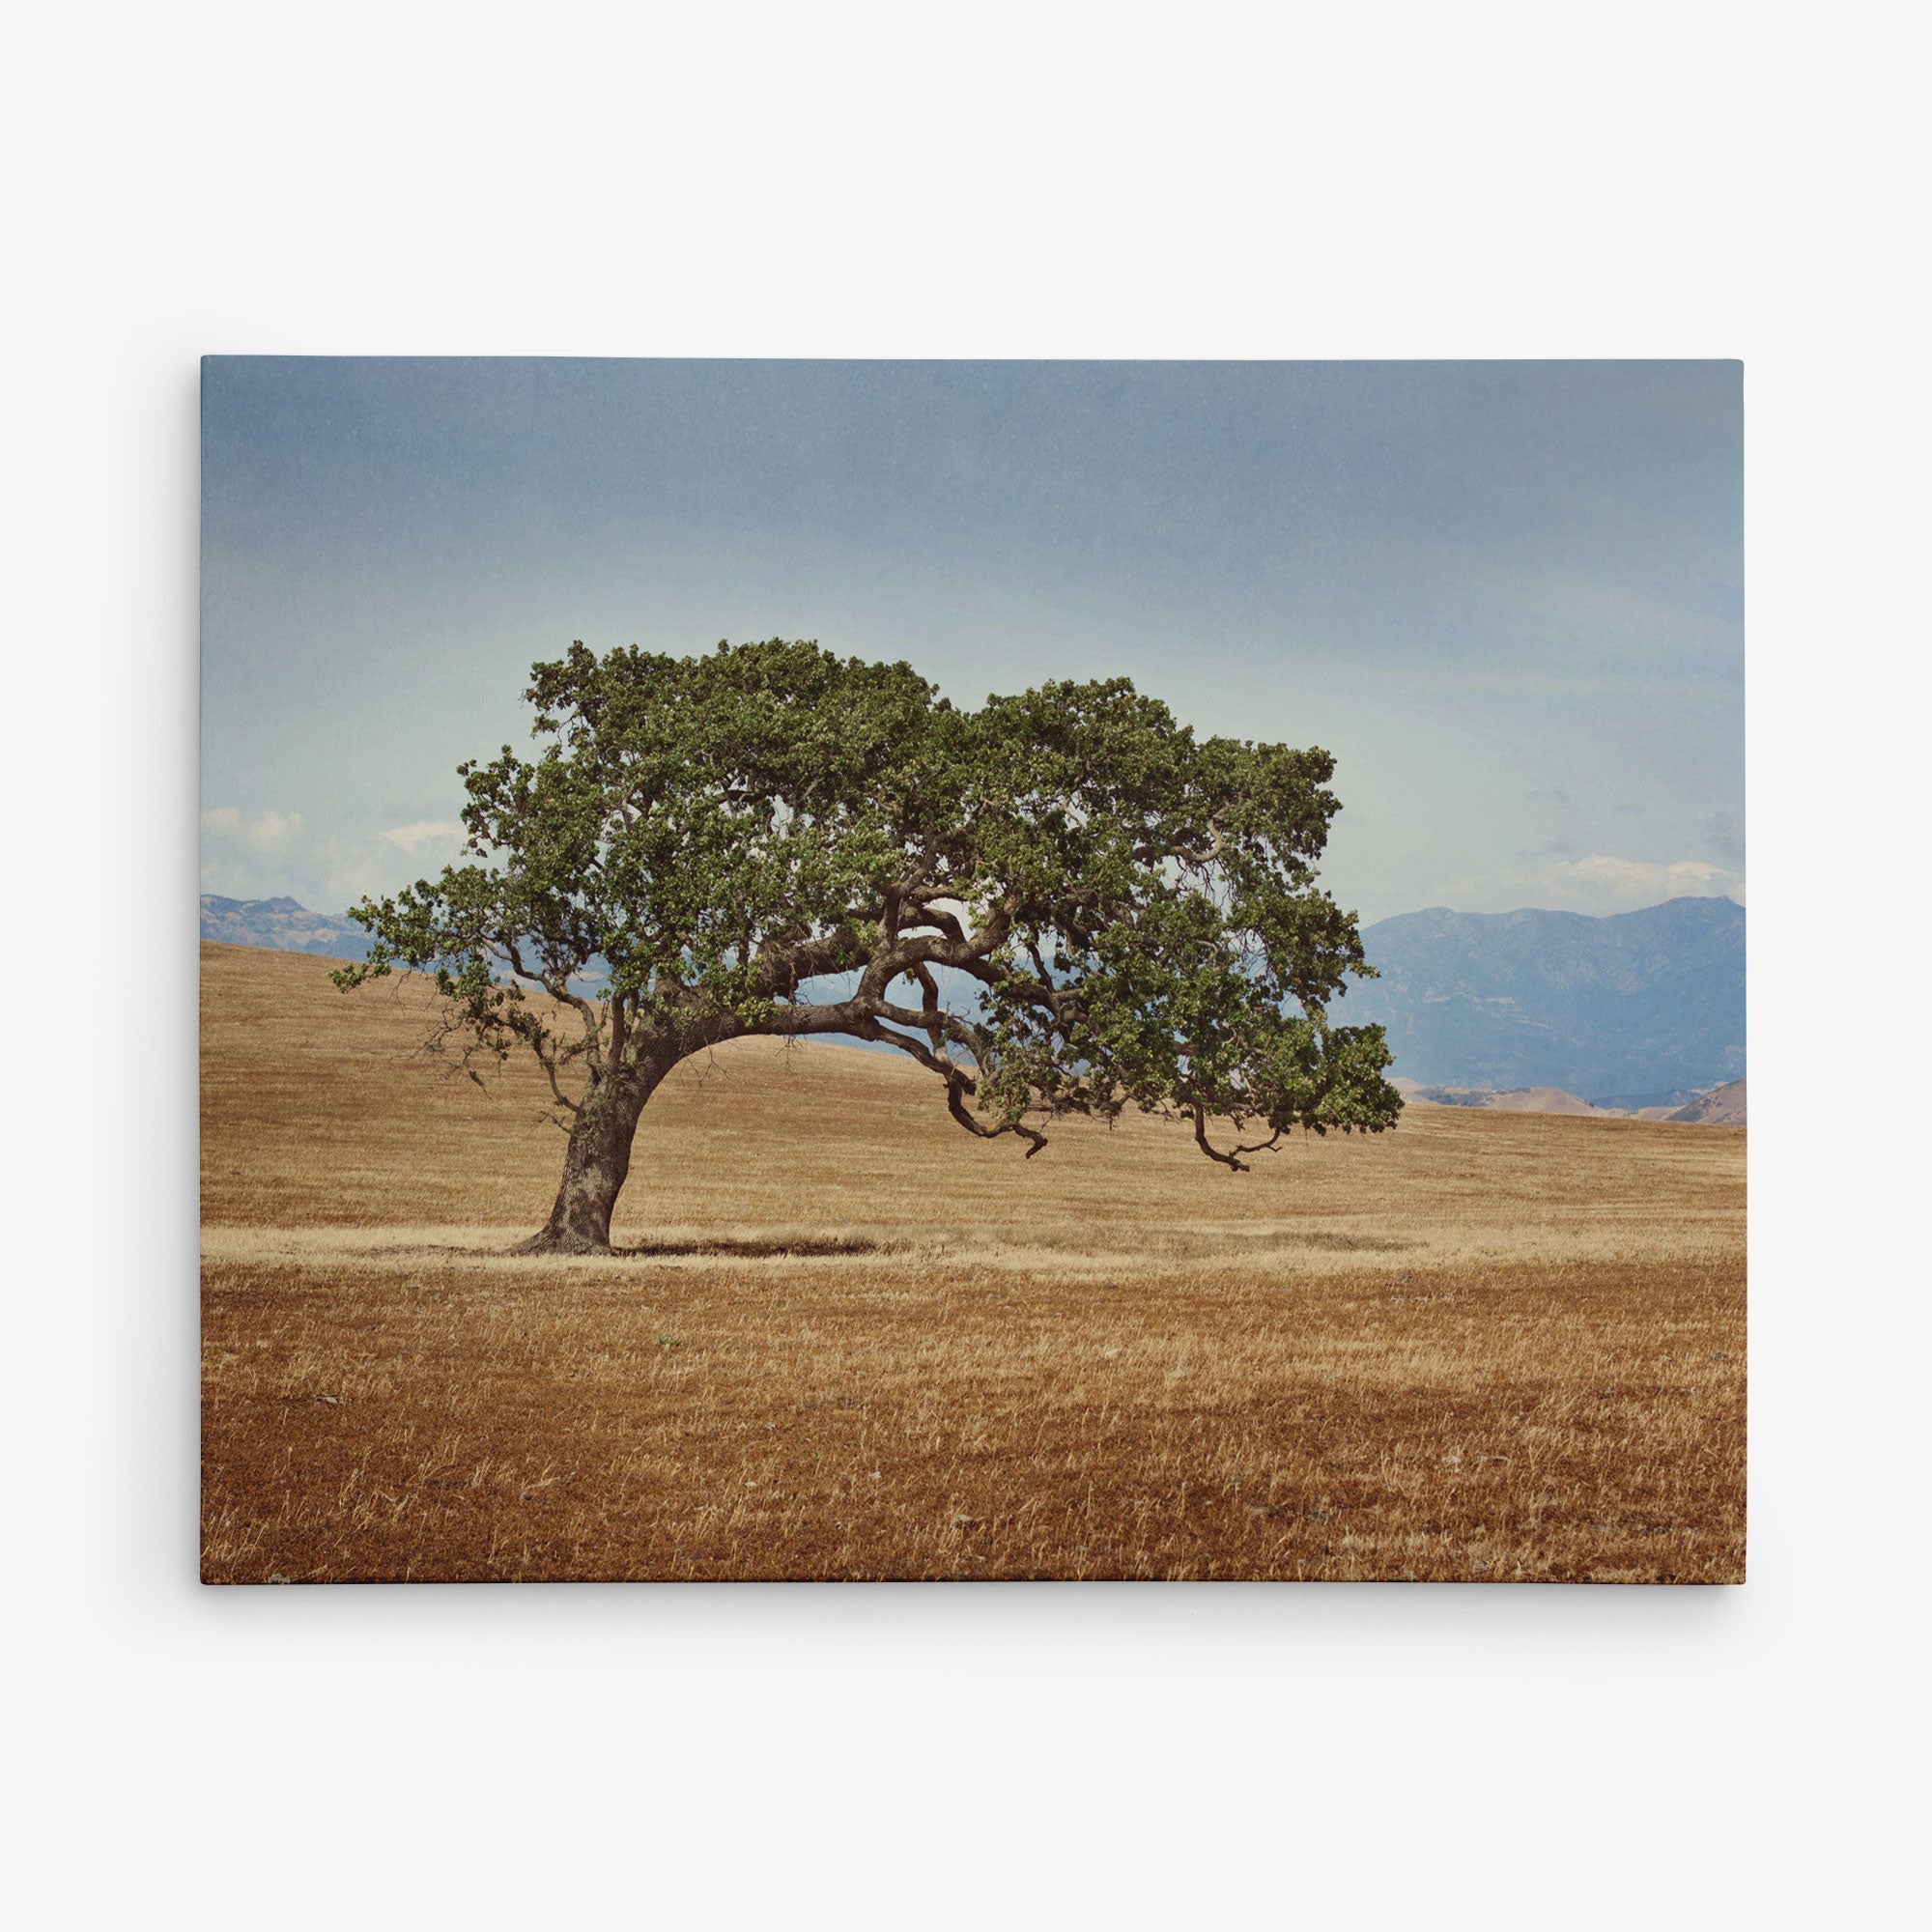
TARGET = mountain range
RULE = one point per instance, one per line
(1636, 1010)
(1722, 1107)
(285, 924)
(1639, 1012)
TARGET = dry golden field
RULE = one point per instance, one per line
(848, 1341)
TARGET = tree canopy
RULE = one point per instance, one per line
(772, 839)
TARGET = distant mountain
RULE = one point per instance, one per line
(1659, 1106)
(285, 924)
(1644, 1006)
(1722, 1107)
(1516, 1100)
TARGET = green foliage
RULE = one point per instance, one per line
(1136, 908)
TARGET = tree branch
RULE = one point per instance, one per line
(1213, 1153)
(955, 1105)
(958, 1085)
(560, 991)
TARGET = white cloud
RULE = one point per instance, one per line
(425, 834)
(269, 854)
(1597, 883)
(272, 833)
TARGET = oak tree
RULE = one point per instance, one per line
(772, 839)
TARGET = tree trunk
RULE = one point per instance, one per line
(595, 1166)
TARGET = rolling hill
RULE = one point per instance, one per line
(1722, 1107)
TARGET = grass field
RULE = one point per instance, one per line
(848, 1341)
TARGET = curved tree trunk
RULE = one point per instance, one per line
(595, 1166)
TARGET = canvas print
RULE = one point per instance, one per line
(948, 971)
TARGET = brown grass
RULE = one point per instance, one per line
(851, 1342)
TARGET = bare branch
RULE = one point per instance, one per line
(867, 1028)
(955, 1105)
(931, 913)
(958, 1085)
(781, 969)
(548, 1066)
(1232, 1160)
(559, 990)
(934, 1022)
(922, 976)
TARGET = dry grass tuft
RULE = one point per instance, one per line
(845, 1340)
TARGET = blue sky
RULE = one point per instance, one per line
(1508, 596)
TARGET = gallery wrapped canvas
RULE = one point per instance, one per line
(971, 971)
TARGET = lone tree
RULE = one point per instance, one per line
(705, 842)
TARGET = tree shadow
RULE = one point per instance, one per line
(757, 1246)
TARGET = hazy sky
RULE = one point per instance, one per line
(1507, 596)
